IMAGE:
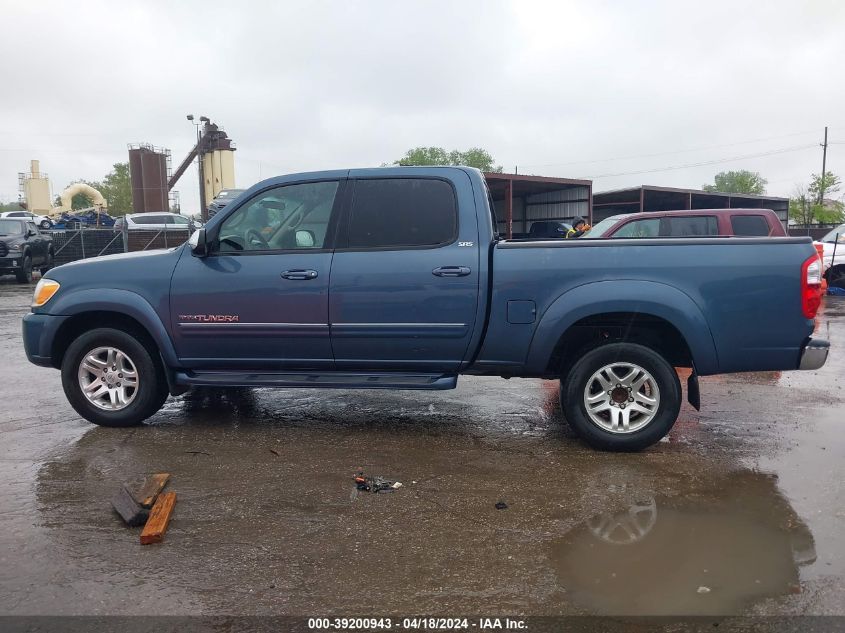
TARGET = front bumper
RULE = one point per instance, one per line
(9, 264)
(39, 332)
(814, 354)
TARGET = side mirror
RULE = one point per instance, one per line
(305, 239)
(197, 243)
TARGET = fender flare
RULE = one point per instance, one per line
(624, 295)
(123, 302)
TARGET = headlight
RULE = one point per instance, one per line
(44, 291)
(15, 247)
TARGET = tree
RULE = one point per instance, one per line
(801, 206)
(10, 206)
(805, 208)
(473, 157)
(821, 186)
(742, 181)
(116, 188)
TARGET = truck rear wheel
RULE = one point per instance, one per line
(112, 379)
(621, 397)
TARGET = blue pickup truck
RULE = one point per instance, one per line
(396, 278)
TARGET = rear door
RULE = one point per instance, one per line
(260, 299)
(405, 276)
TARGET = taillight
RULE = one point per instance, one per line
(811, 286)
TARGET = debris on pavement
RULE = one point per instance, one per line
(133, 502)
(275, 452)
(703, 589)
(156, 526)
(375, 484)
(147, 493)
(132, 512)
(501, 505)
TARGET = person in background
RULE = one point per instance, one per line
(579, 227)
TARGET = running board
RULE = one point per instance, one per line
(324, 381)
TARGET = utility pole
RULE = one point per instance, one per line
(824, 166)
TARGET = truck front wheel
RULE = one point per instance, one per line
(621, 397)
(112, 379)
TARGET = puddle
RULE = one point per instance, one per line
(700, 554)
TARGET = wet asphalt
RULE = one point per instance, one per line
(738, 511)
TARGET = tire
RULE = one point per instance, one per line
(139, 402)
(836, 276)
(628, 412)
(24, 275)
(48, 263)
(46, 225)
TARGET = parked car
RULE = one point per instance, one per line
(86, 218)
(691, 223)
(42, 221)
(153, 221)
(222, 199)
(24, 247)
(833, 245)
(393, 278)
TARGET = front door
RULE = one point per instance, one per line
(404, 286)
(259, 300)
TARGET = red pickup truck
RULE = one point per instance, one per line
(691, 223)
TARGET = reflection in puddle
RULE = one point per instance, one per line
(711, 553)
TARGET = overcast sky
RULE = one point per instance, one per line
(580, 89)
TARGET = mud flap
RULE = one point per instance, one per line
(173, 387)
(693, 394)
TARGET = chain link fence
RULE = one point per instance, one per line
(72, 244)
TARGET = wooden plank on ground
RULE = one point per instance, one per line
(146, 494)
(156, 526)
(129, 510)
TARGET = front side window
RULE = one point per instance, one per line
(749, 225)
(292, 217)
(402, 212)
(640, 228)
(177, 219)
(690, 226)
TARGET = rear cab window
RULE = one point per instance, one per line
(750, 225)
(393, 213)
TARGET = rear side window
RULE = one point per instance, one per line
(689, 226)
(147, 219)
(401, 212)
(750, 225)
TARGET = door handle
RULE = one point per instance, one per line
(299, 275)
(451, 271)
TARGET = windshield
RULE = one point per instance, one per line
(830, 238)
(604, 226)
(11, 227)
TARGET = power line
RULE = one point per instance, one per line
(680, 151)
(706, 162)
